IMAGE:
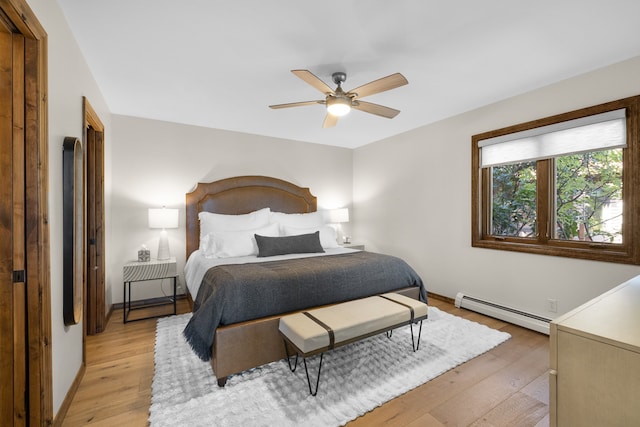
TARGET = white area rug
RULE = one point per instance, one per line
(355, 378)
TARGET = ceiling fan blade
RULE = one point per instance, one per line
(378, 110)
(313, 80)
(330, 121)
(296, 104)
(385, 83)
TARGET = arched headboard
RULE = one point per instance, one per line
(241, 195)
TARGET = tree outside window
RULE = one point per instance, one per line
(588, 185)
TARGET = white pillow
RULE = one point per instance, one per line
(304, 220)
(328, 235)
(226, 244)
(212, 222)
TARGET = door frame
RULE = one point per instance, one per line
(94, 301)
(38, 277)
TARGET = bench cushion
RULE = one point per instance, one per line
(349, 320)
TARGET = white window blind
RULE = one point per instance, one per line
(591, 133)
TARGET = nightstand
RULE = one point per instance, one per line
(135, 271)
(353, 246)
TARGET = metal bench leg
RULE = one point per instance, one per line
(286, 352)
(313, 393)
(416, 347)
(306, 370)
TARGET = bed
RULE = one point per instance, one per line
(238, 345)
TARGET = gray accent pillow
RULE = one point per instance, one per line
(300, 244)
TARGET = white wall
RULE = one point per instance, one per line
(69, 80)
(412, 198)
(156, 163)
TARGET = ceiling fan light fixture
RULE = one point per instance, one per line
(338, 106)
(338, 102)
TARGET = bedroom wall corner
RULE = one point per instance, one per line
(69, 79)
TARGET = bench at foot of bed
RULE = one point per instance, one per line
(246, 345)
(316, 331)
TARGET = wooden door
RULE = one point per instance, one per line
(26, 396)
(13, 329)
(95, 293)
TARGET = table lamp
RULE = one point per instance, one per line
(339, 216)
(163, 218)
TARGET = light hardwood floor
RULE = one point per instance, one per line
(507, 386)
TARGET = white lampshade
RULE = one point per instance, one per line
(337, 216)
(163, 218)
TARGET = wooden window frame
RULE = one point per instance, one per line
(543, 244)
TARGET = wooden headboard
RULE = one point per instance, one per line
(241, 195)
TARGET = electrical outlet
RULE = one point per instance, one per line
(552, 305)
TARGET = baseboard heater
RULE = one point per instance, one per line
(508, 314)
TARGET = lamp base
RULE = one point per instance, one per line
(163, 246)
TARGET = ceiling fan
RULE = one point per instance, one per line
(339, 102)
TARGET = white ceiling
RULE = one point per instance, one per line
(219, 64)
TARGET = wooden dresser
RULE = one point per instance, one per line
(595, 361)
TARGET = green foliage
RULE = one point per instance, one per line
(585, 183)
(514, 199)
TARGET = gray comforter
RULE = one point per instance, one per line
(235, 293)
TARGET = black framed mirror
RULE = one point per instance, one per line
(73, 226)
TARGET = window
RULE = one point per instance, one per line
(566, 185)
